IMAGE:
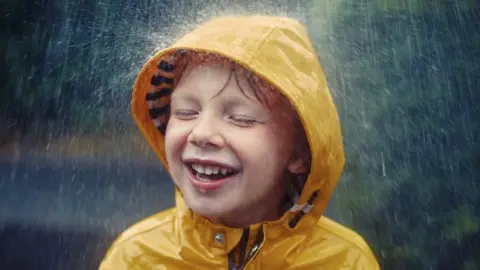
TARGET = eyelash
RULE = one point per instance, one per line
(244, 121)
(187, 114)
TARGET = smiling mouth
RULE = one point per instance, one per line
(210, 172)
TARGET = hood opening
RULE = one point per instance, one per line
(163, 84)
(279, 51)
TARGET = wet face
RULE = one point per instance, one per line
(226, 151)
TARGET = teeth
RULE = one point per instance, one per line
(209, 170)
(198, 168)
(199, 176)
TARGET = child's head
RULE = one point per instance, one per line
(234, 144)
(223, 116)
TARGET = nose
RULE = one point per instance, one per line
(207, 133)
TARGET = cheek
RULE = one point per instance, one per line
(282, 134)
(278, 146)
(175, 139)
(261, 147)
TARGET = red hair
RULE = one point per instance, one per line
(264, 92)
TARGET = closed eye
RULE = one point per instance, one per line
(243, 121)
(185, 114)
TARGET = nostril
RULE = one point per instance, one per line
(206, 141)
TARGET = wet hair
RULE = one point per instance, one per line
(264, 92)
(267, 95)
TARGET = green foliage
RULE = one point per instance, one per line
(463, 222)
(403, 74)
(70, 61)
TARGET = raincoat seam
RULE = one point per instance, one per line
(363, 250)
(265, 40)
(142, 232)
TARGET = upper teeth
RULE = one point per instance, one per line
(208, 170)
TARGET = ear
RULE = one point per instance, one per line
(297, 166)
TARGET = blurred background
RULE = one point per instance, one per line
(74, 170)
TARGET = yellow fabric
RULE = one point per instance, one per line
(279, 50)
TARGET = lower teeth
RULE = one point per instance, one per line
(207, 177)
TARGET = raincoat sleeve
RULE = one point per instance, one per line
(359, 256)
(117, 258)
(333, 246)
(339, 256)
(146, 244)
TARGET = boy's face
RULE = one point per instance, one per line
(226, 151)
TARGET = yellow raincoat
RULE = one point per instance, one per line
(279, 50)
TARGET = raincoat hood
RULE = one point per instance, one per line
(279, 50)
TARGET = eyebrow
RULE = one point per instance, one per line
(183, 96)
(235, 102)
(256, 108)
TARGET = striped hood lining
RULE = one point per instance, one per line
(159, 97)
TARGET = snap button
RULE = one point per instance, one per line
(219, 238)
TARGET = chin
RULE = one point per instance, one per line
(211, 210)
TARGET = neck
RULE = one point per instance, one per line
(247, 217)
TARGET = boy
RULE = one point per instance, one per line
(240, 114)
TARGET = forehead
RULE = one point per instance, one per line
(210, 80)
(198, 73)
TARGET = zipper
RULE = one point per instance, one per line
(243, 246)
